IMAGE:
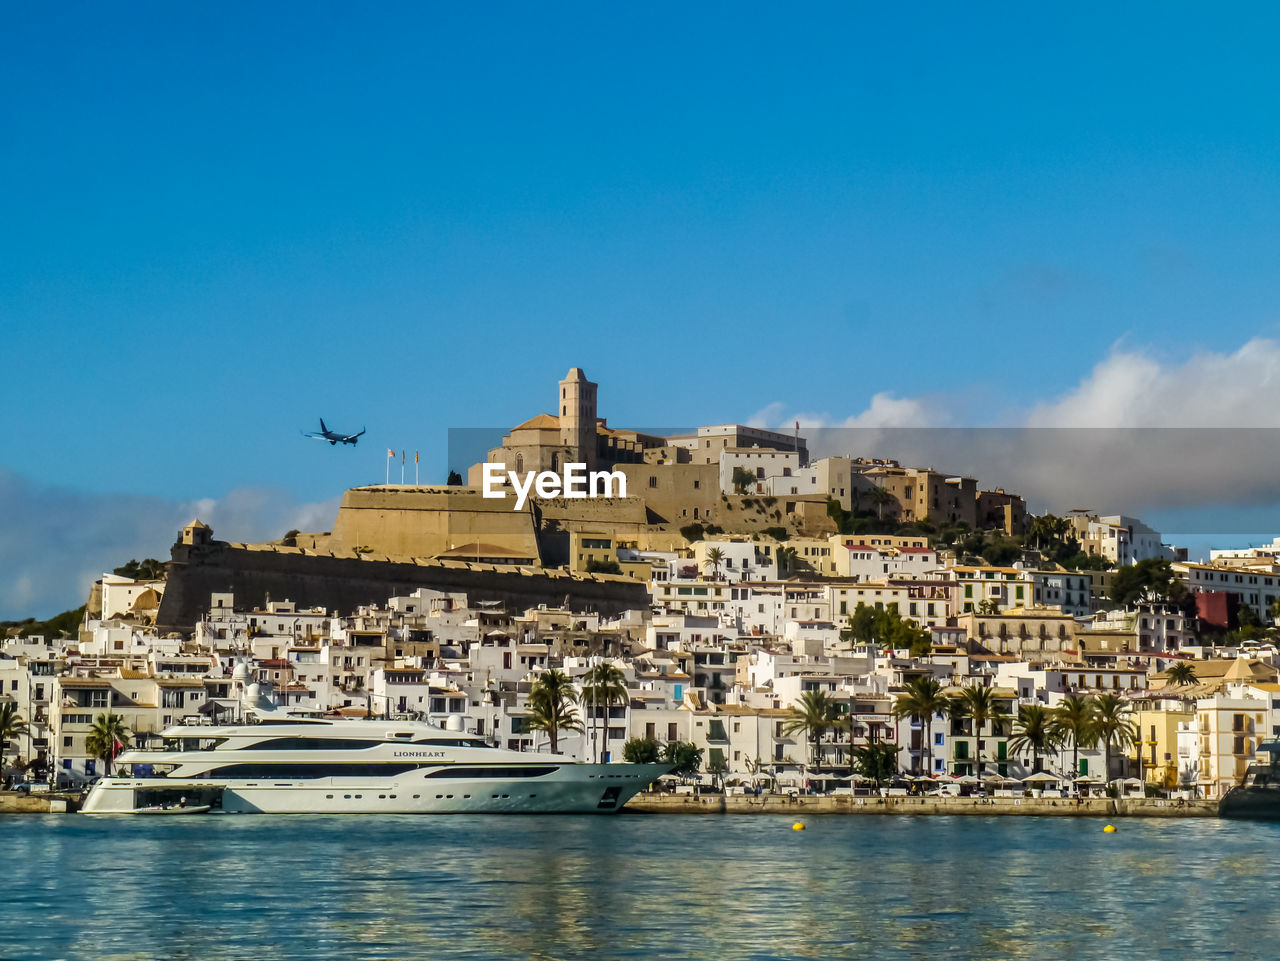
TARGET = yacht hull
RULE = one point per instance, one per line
(573, 789)
(1252, 803)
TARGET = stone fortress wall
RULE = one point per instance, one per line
(338, 583)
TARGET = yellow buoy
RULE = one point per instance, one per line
(798, 826)
(1109, 829)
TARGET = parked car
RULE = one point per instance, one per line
(32, 787)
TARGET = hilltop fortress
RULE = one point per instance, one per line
(728, 479)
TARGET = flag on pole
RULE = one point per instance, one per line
(390, 452)
(402, 458)
(415, 457)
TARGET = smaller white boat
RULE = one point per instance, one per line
(173, 809)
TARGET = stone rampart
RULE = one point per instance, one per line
(342, 583)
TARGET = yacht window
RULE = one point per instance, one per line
(306, 770)
(457, 771)
(313, 744)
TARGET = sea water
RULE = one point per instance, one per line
(717, 887)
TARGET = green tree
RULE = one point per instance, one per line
(877, 761)
(1048, 532)
(1250, 625)
(1113, 725)
(980, 705)
(1181, 674)
(603, 686)
(12, 727)
(641, 750)
(1033, 731)
(1152, 578)
(603, 567)
(839, 516)
(814, 715)
(922, 699)
(715, 557)
(888, 628)
(684, 758)
(107, 738)
(455, 479)
(1073, 720)
(1001, 552)
(743, 480)
(551, 706)
(148, 569)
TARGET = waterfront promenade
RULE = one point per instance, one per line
(986, 807)
(12, 802)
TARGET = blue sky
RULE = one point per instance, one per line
(224, 220)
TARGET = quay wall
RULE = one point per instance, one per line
(983, 807)
(19, 802)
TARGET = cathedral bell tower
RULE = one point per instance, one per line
(577, 409)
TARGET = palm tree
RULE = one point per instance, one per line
(814, 716)
(1034, 732)
(1181, 674)
(922, 700)
(717, 768)
(107, 738)
(878, 761)
(551, 706)
(12, 726)
(979, 704)
(1113, 725)
(715, 557)
(603, 686)
(1073, 719)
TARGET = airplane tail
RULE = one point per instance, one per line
(322, 427)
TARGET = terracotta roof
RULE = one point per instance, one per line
(540, 422)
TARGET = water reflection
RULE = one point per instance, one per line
(732, 887)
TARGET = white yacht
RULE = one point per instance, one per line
(295, 765)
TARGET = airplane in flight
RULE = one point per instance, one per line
(332, 436)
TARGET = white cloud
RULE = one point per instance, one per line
(884, 410)
(1113, 461)
(1131, 388)
(55, 542)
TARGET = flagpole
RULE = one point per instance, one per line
(402, 468)
(415, 468)
(390, 454)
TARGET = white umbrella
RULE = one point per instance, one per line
(1041, 777)
(967, 779)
